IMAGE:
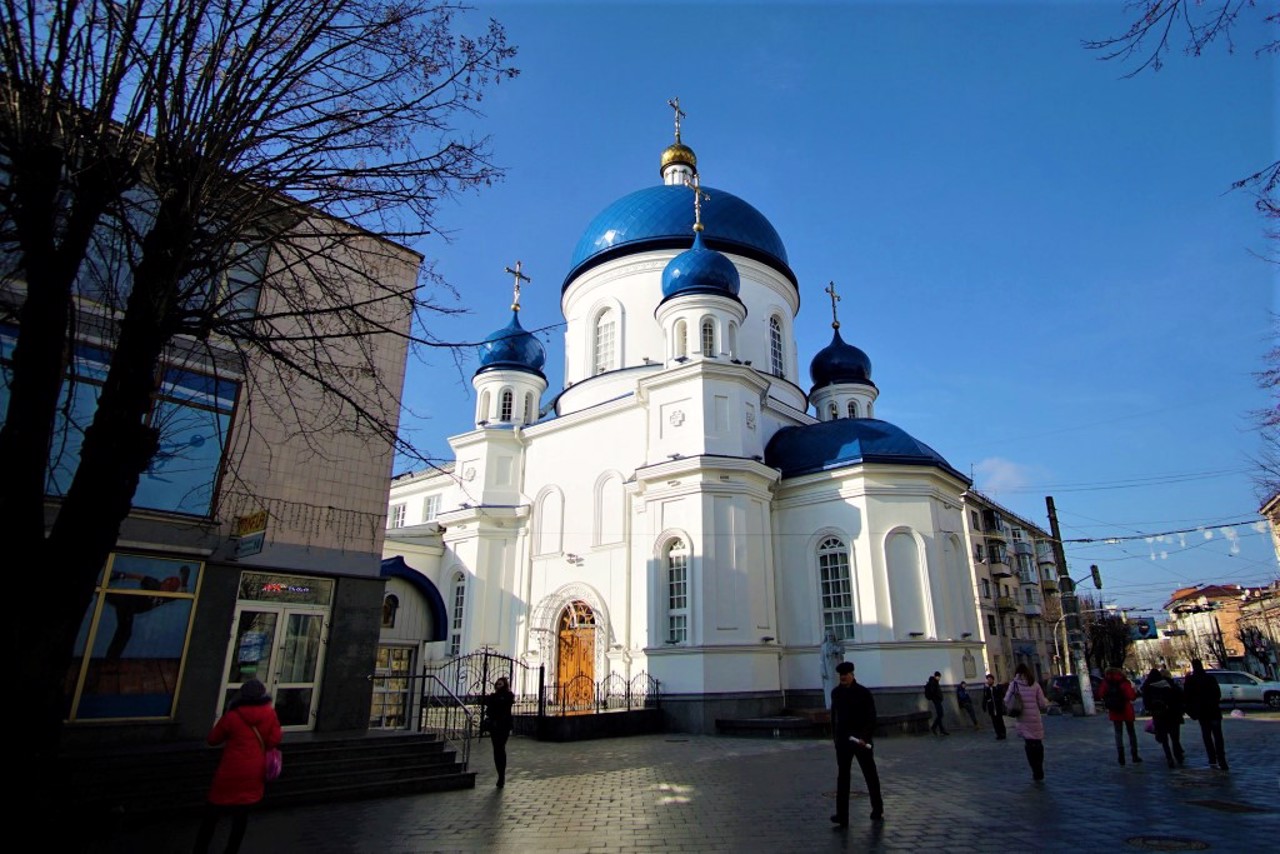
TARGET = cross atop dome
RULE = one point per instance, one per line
(679, 163)
(698, 195)
(520, 277)
(830, 290)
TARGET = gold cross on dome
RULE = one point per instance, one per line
(831, 290)
(520, 277)
(698, 195)
(674, 104)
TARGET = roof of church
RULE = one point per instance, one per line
(512, 348)
(843, 442)
(658, 218)
(839, 362)
(699, 270)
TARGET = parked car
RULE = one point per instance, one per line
(1238, 687)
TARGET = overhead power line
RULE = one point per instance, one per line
(1149, 536)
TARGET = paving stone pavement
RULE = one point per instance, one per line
(677, 793)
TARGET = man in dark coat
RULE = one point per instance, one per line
(933, 693)
(993, 704)
(853, 723)
(1202, 696)
(1162, 698)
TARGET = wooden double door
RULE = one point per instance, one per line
(575, 657)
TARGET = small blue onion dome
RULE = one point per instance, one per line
(699, 270)
(512, 349)
(828, 445)
(839, 362)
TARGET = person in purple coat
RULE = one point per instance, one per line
(1029, 726)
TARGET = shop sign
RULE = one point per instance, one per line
(249, 532)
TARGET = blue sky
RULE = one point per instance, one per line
(1044, 261)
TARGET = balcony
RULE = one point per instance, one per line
(1050, 585)
(1032, 609)
(1006, 604)
(1022, 547)
(999, 567)
(1044, 553)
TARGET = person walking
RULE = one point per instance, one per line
(853, 726)
(1162, 698)
(1029, 726)
(993, 705)
(498, 723)
(966, 702)
(1203, 696)
(933, 693)
(1117, 694)
(246, 732)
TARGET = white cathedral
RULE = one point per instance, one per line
(682, 507)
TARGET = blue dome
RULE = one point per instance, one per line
(839, 362)
(512, 348)
(699, 270)
(659, 218)
(845, 442)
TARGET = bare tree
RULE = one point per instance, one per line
(174, 172)
(1109, 641)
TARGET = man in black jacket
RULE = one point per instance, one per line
(933, 693)
(1202, 695)
(853, 723)
(993, 704)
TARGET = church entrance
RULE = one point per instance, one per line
(575, 659)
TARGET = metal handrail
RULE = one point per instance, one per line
(448, 732)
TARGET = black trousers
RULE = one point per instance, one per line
(997, 723)
(1120, 727)
(213, 812)
(1211, 731)
(938, 725)
(845, 754)
(500, 754)
(1034, 748)
(1170, 738)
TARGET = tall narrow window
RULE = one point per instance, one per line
(775, 347)
(677, 593)
(836, 588)
(504, 410)
(396, 518)
(733, 340)
(455, 619)
(853, 409)
(832, 412)
(708, 337)
(680, 347)
(483, 411)
(605, 342)
(430, 508)
(528, 408)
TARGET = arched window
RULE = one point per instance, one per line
(832, 412)
(853, 409)
(459, 602)
(483, 412)
(708, 340)
(680, 346)
(549, 522)
(677, 592)
(390, 604)
(836, 588)
(504, 413)
(605, 343)
(776, 366)
(733, 340)
(528, 408)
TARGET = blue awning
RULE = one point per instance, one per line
(395, 567)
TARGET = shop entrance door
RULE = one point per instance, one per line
(283, 647)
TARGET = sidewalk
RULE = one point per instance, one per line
(965, 792)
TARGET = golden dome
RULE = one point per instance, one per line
(678, 153)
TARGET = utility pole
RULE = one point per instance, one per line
(1071, 610)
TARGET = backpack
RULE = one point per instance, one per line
(1114, 699)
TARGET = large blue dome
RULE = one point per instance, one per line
(845, 442)
(699, 270)
(512, 348)
(658, 218)
(839, 362)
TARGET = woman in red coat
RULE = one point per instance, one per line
(1117, 694)
(247, 731)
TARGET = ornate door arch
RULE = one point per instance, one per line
(575, 656)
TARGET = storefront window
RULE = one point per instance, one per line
(129, 653)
